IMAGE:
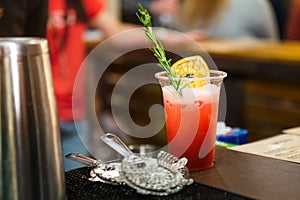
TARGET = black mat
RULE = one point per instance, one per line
(78, 187)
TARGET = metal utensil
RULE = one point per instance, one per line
(136, 161)
(169, 177)
(78, 157)
(103, 172)
(161, 176)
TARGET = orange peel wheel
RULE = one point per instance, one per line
(192, 66)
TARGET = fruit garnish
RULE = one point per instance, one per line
(192, 67)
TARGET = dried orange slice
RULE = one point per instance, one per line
(193, 67)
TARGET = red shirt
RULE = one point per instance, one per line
(293, 24)
(67, 61)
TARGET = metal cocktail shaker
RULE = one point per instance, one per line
(31, 155)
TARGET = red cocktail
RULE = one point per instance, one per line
(191, 119)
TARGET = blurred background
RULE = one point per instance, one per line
(247, 39)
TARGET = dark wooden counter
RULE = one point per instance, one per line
(258, 50)
(257, 59)
(252, 176)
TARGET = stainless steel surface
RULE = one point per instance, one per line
(169, 177)
(103, 172)
(117, 144)
(78, 157)
(137, 161)
(107, 173)
(31, 157)
(145, 149)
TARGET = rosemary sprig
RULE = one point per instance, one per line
(158, 49)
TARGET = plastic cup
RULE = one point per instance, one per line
(191, 118)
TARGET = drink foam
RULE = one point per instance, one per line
(207, 94)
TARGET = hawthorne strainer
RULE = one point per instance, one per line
(161, 176)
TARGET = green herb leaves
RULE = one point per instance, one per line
(158, 49)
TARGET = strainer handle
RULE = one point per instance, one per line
(78, 157)
(117, 144)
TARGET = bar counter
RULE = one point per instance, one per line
(286, 52)
(252, 176)
(235, 175)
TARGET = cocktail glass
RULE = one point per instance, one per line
(191, 117)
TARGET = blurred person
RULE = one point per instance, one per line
(229, 18)
(17, 19)
(160, 10)
(67, 23)
(293, 22)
